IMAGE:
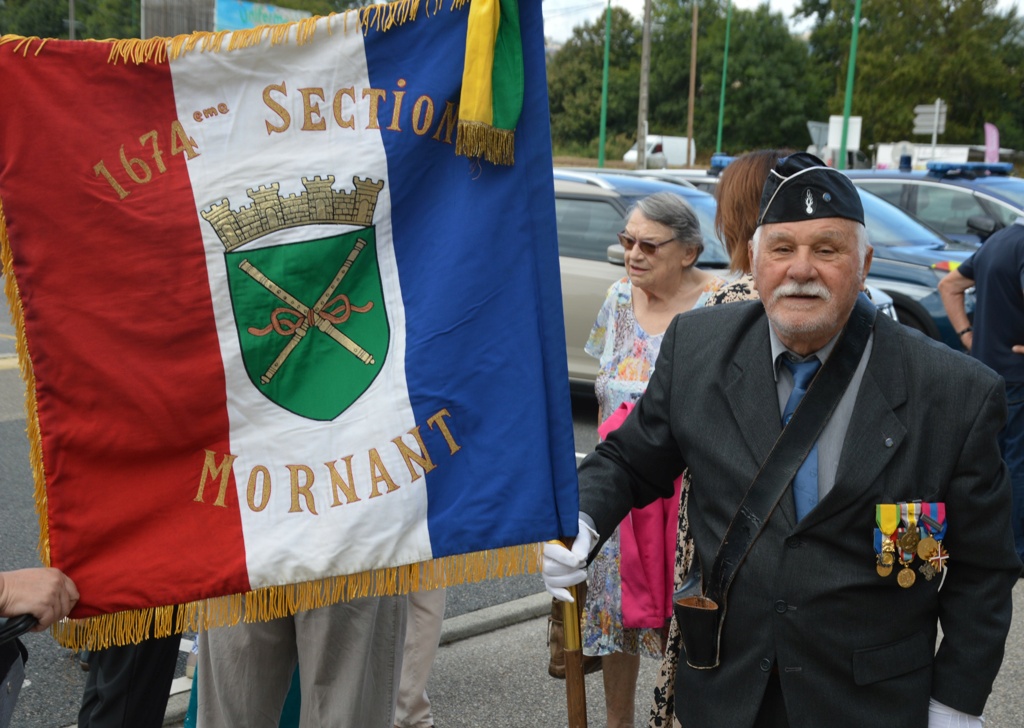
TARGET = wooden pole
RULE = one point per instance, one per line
(575, 686)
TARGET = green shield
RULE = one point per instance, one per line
(311, 320)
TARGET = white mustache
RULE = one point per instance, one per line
(802, 289)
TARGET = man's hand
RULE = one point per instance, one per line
(563, 567)
(1018, 349)
(46, 594)
(942, 716)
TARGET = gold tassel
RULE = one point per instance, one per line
(35, 445)
(274, 602)
(476, 139)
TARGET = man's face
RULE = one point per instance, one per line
(808, 275)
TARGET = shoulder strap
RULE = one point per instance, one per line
(791, 449)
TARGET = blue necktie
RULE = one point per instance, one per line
(805, 484)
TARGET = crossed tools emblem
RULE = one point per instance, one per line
(316, 315)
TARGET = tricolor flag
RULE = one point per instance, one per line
(278, 338)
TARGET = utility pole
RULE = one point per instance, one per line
(645, 70)
(693, 88)
(604, 83)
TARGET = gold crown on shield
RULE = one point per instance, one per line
(269, 212)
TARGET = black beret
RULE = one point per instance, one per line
(802, 187)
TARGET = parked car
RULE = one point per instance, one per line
(591, 206)
(964, 201)
(702, 179)
(909, 257)
(590, 209)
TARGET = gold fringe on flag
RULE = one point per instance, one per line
(477, 139)
(35, 452)
(273, 602)
(380, 17)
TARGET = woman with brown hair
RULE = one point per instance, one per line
(739, 198)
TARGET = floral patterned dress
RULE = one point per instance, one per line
(627, 355)
(663, 706)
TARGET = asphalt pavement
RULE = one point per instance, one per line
(491, 672)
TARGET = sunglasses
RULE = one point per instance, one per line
(647, 248)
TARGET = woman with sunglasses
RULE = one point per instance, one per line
(662, 241)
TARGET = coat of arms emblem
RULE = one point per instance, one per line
(310, 315)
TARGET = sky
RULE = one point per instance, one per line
(561, 16)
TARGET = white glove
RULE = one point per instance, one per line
(942, 716)
(563, 568)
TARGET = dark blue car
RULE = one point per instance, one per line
(964, 201)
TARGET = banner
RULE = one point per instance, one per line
(238, 14)
(280, 339)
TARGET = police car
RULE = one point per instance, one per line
(965, 201)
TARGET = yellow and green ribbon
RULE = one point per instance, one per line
(492, 82)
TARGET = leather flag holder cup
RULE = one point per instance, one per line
(699, 605)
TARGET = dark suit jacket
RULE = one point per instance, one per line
(851, 648)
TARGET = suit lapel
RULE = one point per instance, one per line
(751, 392)
(875, 431)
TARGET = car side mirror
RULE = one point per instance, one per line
(617, 254)
(981, 224)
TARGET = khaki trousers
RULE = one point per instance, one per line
(423, 632)
(349, 657)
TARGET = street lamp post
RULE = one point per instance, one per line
(725, 71)
(848, 101)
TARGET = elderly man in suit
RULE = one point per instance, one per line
(834, 606)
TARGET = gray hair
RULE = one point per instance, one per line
(859, 230)
(672, 211)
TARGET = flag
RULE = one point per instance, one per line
(279, 339)
(991, 142)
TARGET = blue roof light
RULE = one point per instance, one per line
(719, 162)
(968, 169)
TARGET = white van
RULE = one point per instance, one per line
(663, 151)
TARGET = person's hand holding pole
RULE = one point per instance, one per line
(563, 567)
(46, 594)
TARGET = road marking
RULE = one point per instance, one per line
(8, 362)
(7, 336)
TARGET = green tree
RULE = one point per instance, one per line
(911, 52)
(574, 82)
(112, 19)
(40, 18)
(772, 89)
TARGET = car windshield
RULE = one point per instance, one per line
(1009, 188)
(714, 255)
(889, 226)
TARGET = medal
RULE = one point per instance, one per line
(927, 571)
(906, 577)
(887, 518)
(938, 560)
(912, 536)
(926, 548)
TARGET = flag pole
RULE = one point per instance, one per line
(575, 687)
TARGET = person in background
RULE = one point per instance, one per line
(48, 595)
(663, 240)
(833, 609)
(997, 337)
(422, 634)
(739, 196)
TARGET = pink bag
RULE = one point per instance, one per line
(647, 541)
